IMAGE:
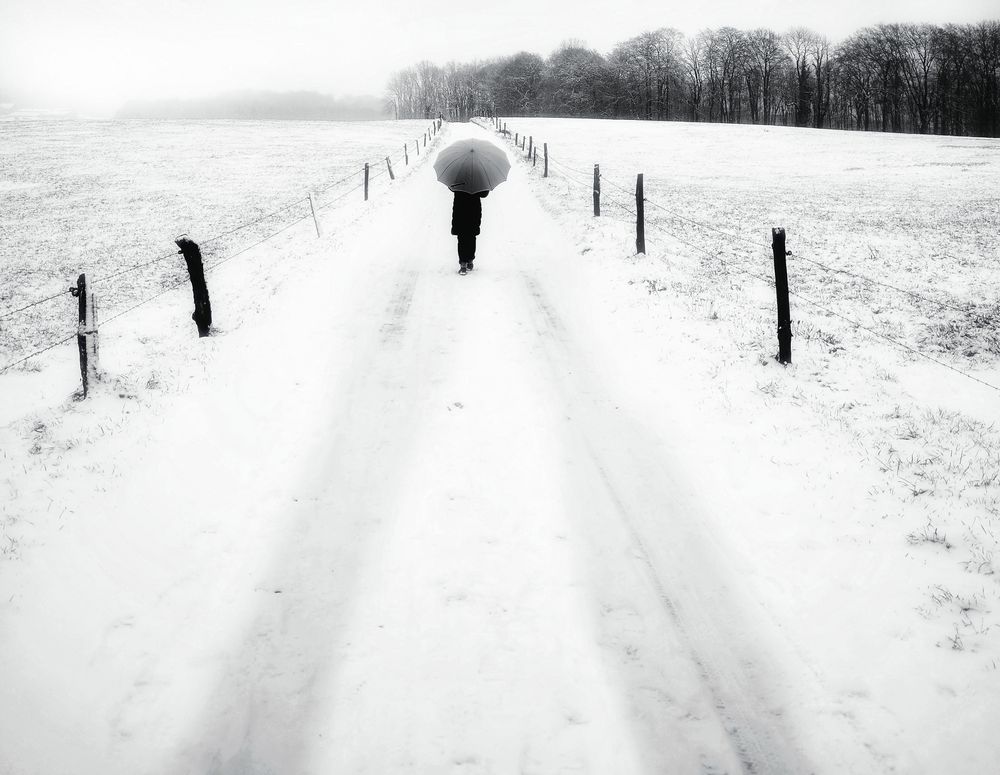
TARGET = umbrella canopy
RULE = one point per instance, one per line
(472, 166)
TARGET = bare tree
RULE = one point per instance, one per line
(765, 56)
(799, 43)
(819, 49)
(692, 60)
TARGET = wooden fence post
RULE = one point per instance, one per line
(531, 140)
(597, 189)
(534, 157)
(86, 334)
(417, 144)
(389, 165)
(406, 155)
(366, 181)
(312, 207)
(202, 315)
(523, 139)
(545, 148)
(781, 288)
(640, 217)
(516, 137)
(505, 128)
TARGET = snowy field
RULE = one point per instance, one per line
(102, 197)
(563, 514)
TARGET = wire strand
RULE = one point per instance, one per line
(137, 267)
(915, 295)
(896, 342)
(33, 304)
(255, 221)
(36, 353)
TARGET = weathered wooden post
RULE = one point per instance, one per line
(597, 189)
(640, 217)
(417, 144)
(312, 208)
(389, 165)
(516, 137)
(366, 181)
(781, 288)
(86, 334)
(505, 129)
(523, 139)
(406, 155)
(531, 141)
(545, 148)
(534, 157)
(202, 315)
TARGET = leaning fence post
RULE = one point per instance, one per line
(202, 315)
(86, 333)
(545, 148)
(389, 165)
(416, 144)
(406, 154)
(597, 189)
(781, 288)
(640, 217)
(312, 208)
(366, 181)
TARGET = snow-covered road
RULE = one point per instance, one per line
(413, 525)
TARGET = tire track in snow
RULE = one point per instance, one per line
(732, 675)
(262, 714)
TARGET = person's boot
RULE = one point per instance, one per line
(464, 268)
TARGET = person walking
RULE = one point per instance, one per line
(466, 219)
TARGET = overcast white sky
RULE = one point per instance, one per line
(95, 54)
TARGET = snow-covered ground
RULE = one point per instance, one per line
(564, 514)
(109, 197)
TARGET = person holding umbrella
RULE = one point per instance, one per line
(470, 169)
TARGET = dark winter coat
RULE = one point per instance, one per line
(467, 212)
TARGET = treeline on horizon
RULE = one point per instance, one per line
(260, 105)
(917, 78)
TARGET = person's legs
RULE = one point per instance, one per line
(466, 248)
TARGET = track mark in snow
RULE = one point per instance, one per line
(393, 329)
(624, 461)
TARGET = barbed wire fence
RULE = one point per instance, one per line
(258, 230)
(736, 246)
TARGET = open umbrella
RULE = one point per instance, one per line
(472, 166)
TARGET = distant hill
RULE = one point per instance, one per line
(297, 105)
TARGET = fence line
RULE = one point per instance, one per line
(761, 245)
(579, 177)
(430, 138)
